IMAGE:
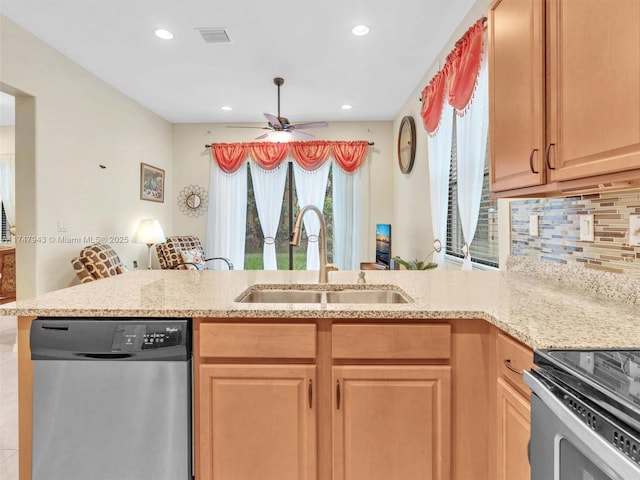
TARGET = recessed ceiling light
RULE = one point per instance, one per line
(360, 30)
(226, 108)
(163, 33)
(347, 107)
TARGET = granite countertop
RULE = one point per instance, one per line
(539, 313)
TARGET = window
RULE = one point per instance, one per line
(484, 247)
(288, 257)
(5, 236)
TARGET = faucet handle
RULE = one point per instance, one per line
(331, 267)
(361, 278)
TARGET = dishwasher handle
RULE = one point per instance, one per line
(104, 356)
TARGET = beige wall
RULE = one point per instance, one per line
(412, 232)
(68, 123)
(191, 163)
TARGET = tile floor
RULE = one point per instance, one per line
(8, 399)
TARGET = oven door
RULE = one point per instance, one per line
(563, 447)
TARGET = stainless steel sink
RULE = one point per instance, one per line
(339, 293)
(282, 296)
(366, 296)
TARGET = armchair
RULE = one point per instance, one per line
(97, 261)
(184, 252)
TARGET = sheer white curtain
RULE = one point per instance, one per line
(471, 139)
(268, 189)
(346, 218)
(227, 215)
(439, 151)
(311, 188)
(8, 186)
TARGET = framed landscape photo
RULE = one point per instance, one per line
(151, 183)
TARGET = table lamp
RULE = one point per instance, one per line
(149, 231)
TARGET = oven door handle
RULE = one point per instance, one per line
(608, 458)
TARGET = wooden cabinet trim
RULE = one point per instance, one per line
(258, 340)
(391, 341)
(512, 359)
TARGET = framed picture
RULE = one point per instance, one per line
(151, 183)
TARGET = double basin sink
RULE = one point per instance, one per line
(324, 293)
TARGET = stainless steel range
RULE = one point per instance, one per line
(585, 415)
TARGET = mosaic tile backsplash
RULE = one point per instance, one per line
(559, 231)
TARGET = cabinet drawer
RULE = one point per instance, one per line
(391, 341)
(257, 340)
(513, 359)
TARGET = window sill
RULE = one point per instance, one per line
(457, 261)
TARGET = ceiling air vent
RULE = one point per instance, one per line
(214, 34)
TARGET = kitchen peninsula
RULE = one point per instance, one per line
(446, 343)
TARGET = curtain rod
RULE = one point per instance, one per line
(371, 144)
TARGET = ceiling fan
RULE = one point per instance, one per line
(282, 124)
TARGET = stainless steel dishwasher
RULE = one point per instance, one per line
(111, 399)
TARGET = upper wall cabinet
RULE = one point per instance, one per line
(564, 95)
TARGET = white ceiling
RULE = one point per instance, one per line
(307, 42)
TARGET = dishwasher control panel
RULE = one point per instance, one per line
(130, 337)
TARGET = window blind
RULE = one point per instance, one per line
(484, 248)
(5, 236)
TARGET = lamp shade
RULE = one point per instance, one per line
(149, 231)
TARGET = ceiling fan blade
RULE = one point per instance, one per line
(240, 126)
(300, 135)
(264, 135)
(273, 120)
(300, 126)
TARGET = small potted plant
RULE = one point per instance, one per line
(417, 264)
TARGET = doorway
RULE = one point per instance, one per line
(7, 198)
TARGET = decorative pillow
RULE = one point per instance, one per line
(193, 258)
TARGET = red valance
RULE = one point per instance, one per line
(350, 155)
(229, 156)
(433, 101)
(465, 60)
(457, 78)
(268, 155)
(309, 155)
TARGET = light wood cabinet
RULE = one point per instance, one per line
(391, 422)
(516, 93)
(392, 418)
(513, 429)
(256, 401)
(564, 95)
(257, 422)
(513, 409)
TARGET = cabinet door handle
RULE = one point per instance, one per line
(310, 393)
(546, 155)
(338, 394)
(531, 161)
(507, 363)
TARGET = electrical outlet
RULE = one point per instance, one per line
(634, 230)
(533, 225)
(62, 226)
(587, 228)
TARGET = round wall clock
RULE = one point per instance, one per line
(406, 144)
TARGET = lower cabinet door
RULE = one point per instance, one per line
(514, 421)
(257, 422)
(391, 422)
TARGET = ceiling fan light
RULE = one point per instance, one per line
(163, 33)
(360, 30)
(280, 136)
(226, 108)
(346, 107)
